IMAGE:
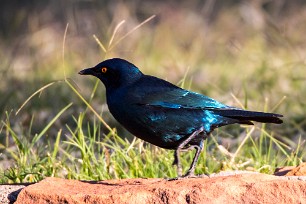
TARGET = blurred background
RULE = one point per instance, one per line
(254, 50)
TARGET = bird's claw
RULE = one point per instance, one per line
(187, 176)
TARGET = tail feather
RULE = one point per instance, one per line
(245, 117)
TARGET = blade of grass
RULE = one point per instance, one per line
(56, 144)
(242, 143)
(99, 43)
(63, 53)
(237, 100)
(131, 31)
(38, 136)
(36, 92)
(279, 103)
(17, 142)
(91, 108)
(115, 31)
(182, 82)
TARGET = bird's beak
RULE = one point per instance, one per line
(87, 71)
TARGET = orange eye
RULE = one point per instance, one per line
(104, 70)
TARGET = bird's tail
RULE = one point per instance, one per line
(245, 117)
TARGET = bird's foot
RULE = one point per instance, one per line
(203, 176)
(190, 173)
(180, 176)
(187, 176)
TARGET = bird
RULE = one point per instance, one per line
(164, 114)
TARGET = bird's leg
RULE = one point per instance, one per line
(177, 163)
(181, 148)
(177, 159)
(190, 172)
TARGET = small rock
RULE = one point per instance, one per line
(282, 171)
(298, 171)
(9, 193)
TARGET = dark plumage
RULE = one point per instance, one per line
(164, 114)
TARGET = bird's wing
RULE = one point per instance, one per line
(180, 98)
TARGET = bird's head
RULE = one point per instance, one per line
(114, 72)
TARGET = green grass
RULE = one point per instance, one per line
(86, 154)
(59, 125)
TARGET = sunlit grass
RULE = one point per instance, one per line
(84, 153)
